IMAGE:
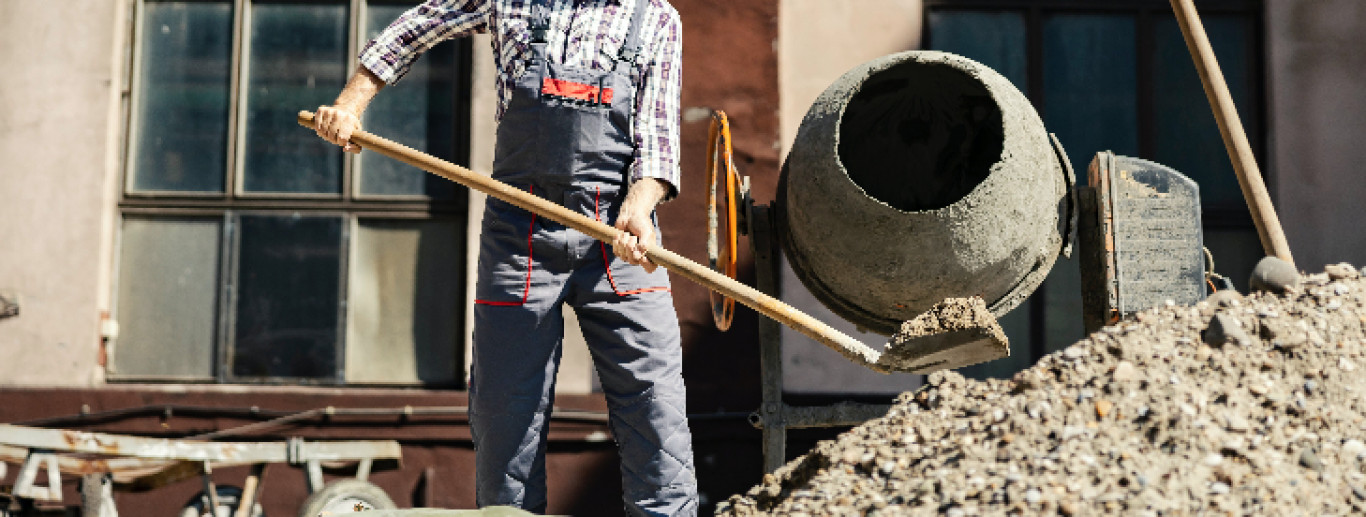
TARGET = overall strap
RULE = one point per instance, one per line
(540, 20)
(630, 51)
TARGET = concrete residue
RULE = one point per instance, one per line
(955, 333)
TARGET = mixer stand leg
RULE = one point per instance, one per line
(774, 417)
(770, 338)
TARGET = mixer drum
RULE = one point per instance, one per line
(917, 177)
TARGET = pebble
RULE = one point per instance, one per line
(1310, 460)
(1340, 271)
(1225, 298)
(1274, 275)
(1224, 329)
(1125, 372)
(1235, 422)
(1141, 418)
(1103, 408)
(1353, 448)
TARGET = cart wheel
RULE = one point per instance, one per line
(228, 496)
(345, 496)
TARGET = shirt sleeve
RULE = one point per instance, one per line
(392, 53)
(657, 108)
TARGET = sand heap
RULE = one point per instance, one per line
(1245, 405)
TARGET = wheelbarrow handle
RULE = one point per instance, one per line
(851, 348)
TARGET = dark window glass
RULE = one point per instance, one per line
(297, 61)
(1090, 79)
(405, 292)
(1185, 135)
(168, 298)
(1090, 100)
(288, 295)
(995, 39)
(418, 112)
(181, 119)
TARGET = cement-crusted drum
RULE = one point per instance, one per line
(916, 177)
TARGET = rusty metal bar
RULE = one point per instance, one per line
(166, 449)
(834, 415)
(82, 466)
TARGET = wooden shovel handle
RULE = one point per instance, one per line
(1231, 129)
(851, 348)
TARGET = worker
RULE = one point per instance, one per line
(588, 118)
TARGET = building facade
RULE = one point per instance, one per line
(184, 258)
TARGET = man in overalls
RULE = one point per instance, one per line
(588, 118)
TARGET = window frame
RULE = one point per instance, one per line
(232, 202)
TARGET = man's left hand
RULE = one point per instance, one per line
(638, 229)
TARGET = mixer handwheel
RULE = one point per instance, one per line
(721, 214)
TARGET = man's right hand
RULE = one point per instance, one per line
(336, 125)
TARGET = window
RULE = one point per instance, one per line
(252, 251)
(1116, 76)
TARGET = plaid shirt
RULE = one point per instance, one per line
(583, 33)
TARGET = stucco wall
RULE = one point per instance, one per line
(60, 107)
(1318, 123)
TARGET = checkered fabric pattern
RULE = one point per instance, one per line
(583, 33)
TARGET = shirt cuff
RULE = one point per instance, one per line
(670, 193)
(386, 62)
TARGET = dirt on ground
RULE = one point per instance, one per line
(1241, 405)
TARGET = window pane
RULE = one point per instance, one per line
(297, 61)
(287, 297)
(1091, 102)
(1186, 136)
(168, 298)
(995, 39)
(182, 111)
(406, 294)
(1236, 251)
(419, 112)
(1091, 84)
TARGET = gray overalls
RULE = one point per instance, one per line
(566, 136)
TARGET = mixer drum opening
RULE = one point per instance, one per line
(916, 177)
(920, 136)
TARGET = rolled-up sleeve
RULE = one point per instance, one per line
(392, 53)
(657, 108)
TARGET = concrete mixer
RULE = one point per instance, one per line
(917, 177)
(920, 185)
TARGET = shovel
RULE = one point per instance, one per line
(956, 333)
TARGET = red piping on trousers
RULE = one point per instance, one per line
(526, 290)
(606, 263)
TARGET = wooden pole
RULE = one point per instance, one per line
(1231, 128)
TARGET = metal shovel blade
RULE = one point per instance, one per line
(956, 332)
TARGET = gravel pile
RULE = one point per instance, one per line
(1238, 405)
